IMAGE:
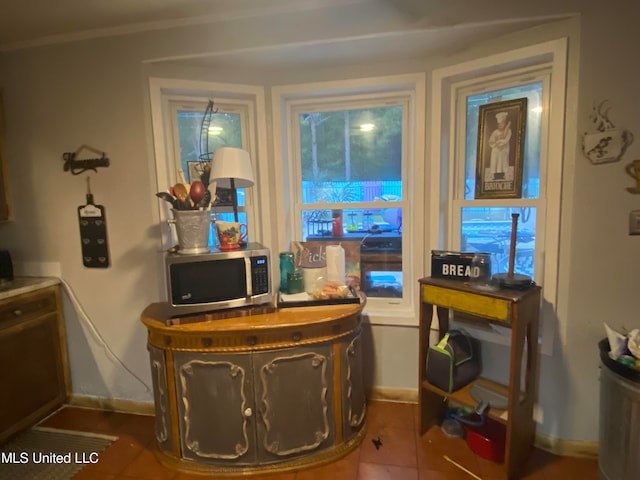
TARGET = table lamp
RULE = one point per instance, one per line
(231, 168)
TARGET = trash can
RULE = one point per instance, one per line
(619, 438)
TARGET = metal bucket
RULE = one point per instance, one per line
(193, 228)
(619, 419)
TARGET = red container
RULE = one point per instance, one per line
(488, 440)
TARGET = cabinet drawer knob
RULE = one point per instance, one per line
(17, 312)
(296, 337)
(248, 412)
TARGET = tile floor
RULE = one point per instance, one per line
(403, 455)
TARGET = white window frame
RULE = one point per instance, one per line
(245, 99)
(286, 100)
(446, 161)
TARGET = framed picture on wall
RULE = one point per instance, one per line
(195, 171)
(499, 163)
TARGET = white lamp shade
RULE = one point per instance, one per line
(228, 163)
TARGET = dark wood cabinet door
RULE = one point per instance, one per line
(30, 371)
(294, 392)
(215, 407)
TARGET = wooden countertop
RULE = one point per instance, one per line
(514, 295)
(158, 315)
(216, 331)
(20, 285)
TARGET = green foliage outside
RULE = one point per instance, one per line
(343, 152)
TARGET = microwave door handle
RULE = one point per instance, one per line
(247, 267)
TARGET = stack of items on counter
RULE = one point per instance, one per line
(624, 348)
(316, 272)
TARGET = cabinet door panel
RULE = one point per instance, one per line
(353, 390)
(294, 391)
(161, 398)
(215, 405)
(30, 372)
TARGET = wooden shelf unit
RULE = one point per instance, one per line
(514, 309)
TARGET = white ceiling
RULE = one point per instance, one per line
(36, 22)
(30, 23)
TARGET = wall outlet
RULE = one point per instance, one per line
(538, 414)
(634, 222)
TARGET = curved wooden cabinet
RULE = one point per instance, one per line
(259, 391)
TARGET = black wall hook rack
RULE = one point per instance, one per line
(76, 167)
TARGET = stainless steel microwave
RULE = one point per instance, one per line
(219, 279)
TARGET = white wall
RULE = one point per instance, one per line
(95, 92)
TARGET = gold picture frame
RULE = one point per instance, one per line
(499, 159)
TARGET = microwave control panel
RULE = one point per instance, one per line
(260, 274)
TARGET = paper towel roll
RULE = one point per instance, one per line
(335, 264)
(314, 278)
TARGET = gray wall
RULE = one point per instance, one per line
(95, 92)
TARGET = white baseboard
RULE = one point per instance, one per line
(403, 395)
(566, 448)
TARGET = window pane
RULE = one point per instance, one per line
(351, 155)
(531, 160)
(358, 223)
(489, 230)
(224, 130)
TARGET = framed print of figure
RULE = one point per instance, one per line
(195, 171)
(501, 129)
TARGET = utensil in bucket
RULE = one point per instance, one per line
(193, 228)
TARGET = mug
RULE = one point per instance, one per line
(633, 170)
(230, 234)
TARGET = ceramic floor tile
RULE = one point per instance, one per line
(582, 468)
(391, 446)
(425, 474)
(434, 447)
(274, 476)
(132, 424)
(402, 454)
(88, 474)
(196, 476)
(375, 471)
(146, 466)
(118, 455)
(390, 414)
(345, 468)
(537, 464)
